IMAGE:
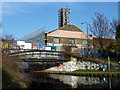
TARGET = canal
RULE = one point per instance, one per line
(68, 82)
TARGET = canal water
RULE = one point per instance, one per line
(70, 82)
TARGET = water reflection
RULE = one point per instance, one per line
(53, 81)
(76, 81)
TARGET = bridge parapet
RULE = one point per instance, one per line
(39, 55)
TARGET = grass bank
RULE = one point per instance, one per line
(79, 72)
(8, 80)
(11, 77)
(96, 71)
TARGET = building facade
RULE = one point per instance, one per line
(68, 35)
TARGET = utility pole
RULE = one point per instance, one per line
(87, 39)
(87, 35)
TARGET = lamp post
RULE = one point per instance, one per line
(87, 35)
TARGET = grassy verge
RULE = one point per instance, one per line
(96, 71)
(111, 60)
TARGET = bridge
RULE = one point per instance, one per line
(41, 55)
(53, 60)
(41, 59)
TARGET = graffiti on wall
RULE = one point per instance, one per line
(5, 46)
(72, 65)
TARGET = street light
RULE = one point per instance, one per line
(87, 34)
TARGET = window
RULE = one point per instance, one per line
(85, 42)
(71, 41)
(56, 40)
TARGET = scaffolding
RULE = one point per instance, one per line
(36, 36)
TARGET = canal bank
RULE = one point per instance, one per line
(84, 73)
(9, 81)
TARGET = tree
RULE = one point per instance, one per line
(101, 29)
(116, 27)
(114, 48)
(118, 32)
(8, 37)
(11, 65)
(8, 41)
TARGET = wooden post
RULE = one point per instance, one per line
(109, 63)
(110, 84)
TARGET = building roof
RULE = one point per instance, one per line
(67, 34)
(68, 27)
(69, 31)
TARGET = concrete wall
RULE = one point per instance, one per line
(72, 65)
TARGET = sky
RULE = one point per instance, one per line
(22, 18)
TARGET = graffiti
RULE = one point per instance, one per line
(5, 45)
(72, 65)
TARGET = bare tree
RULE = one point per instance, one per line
(8, 41)
(8, 37)
(101, 29)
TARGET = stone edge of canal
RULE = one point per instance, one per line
(91, 74)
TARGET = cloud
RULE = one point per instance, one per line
(15, 8)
